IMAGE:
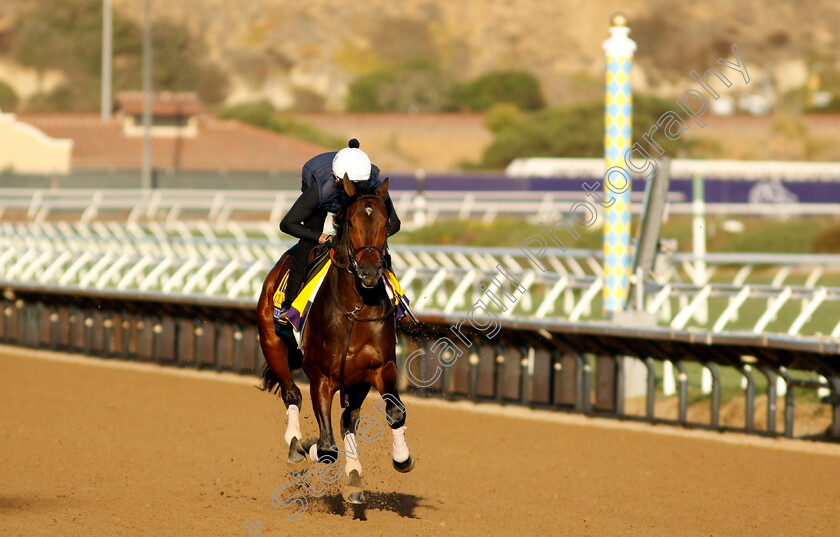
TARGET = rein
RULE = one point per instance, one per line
(352, 316)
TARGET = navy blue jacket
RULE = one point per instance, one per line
(319, 170)
(320, 196)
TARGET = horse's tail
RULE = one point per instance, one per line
(270, 381)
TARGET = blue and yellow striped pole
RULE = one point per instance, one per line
(618, 123)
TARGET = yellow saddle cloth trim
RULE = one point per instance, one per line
(307, 294)
(395, 283)
(300, 307)
(280, 292)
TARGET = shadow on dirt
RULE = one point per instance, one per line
(395, 502)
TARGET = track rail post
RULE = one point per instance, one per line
(714, 419)
(790, 401)
(682, 381)
(606, 382)
(650, 395)
(749, 408)
(584, 384)
(500, 366)
(53, 329)
(524, 377)
(834, 401)
(475, 361)
(771, 399)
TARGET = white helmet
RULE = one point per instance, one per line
(352, 161)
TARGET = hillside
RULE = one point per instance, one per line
(306, 53)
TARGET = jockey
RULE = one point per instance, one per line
(321, 195)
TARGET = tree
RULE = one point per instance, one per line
(515, 87)
(571, 131)
(419, 86)
(8, 97)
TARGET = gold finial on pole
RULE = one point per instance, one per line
(618, 19)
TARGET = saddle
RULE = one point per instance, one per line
(315, 273)
(320, 258)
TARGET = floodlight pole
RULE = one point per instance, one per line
(146, 179)
(107, 55)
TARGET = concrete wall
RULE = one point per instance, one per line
(25, 149)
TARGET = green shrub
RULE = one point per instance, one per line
(519, 88)
(502, 116)
(502, 232)
(419, 86)
(571, 131)
(792, 236)
(828, 242)
(8, 97)
(61, 98)
(832, 107)
(265, 116)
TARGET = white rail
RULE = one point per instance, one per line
(783, 293)
(260, 211)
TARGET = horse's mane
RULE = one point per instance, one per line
(363, 188)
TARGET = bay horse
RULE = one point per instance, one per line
(353, 317)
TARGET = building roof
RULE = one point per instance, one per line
(219, 145)
(165, 103)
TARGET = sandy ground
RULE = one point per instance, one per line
(92, 450)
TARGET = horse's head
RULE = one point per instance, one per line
(365, 231)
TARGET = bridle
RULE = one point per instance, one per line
(352, 267)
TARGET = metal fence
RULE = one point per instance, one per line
(578, 367)
(161, 285)
(793, 294)
(253, 209)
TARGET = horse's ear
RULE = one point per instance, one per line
(382, 191)
(349, 187)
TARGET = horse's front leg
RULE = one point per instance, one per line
(353, 490)
(384, 379)
(322, 395)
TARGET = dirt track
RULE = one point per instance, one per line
(89, 450)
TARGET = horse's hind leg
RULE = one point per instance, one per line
(354, 490)
(279, 354)
(385, 380)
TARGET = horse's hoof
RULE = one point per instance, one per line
(404, 466)
(304, 445)
(353, 491)
(302, 448)
(295, 456)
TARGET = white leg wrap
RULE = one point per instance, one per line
(351, 446)
(292, 424)
(399, 451)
